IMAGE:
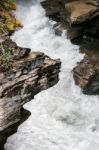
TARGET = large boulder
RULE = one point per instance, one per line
(80, 11)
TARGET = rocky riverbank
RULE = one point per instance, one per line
(22, 73)
(81, 20)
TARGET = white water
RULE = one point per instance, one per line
(62, 117)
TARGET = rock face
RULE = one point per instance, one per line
(81, 20)
(22, 73)
(84, 13)
(80, 17)
(86, 75)
(29, 74)
(80, 11)
(13, 128)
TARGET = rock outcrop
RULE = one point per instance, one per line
(81, 20)
(84, 14)
(80, 11)
(22, 73)
(29, 74)
(80, 17)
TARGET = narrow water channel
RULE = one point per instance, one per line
(62, 118)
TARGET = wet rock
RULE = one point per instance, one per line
(52, 8)
(80, 19)
(92, 28)
(86, 75)
(13, 128)
(74, 32)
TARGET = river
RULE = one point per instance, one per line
(62, 118)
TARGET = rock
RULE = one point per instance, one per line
(22, 73)
(74, 32)
(28, 75)
(85, 14)
(10, 52)
(80, 11)
(79, 17)
(86, 75)
(93, 2)
(52, 8)
(13, 128)
(92, 28)
(82, 25)
(18, 52)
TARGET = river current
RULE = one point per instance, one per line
(62, 118)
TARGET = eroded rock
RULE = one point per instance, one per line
(86, 75)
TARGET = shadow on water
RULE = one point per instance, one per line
(13, 128)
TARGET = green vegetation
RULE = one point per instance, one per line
(8, 23)
(6, 58)
(8, 4)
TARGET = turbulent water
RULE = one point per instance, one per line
(62, 117)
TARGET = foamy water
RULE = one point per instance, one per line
(62, 117)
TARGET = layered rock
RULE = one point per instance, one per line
(29, 74)
(22, 73)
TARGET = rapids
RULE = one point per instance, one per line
(62, 117)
